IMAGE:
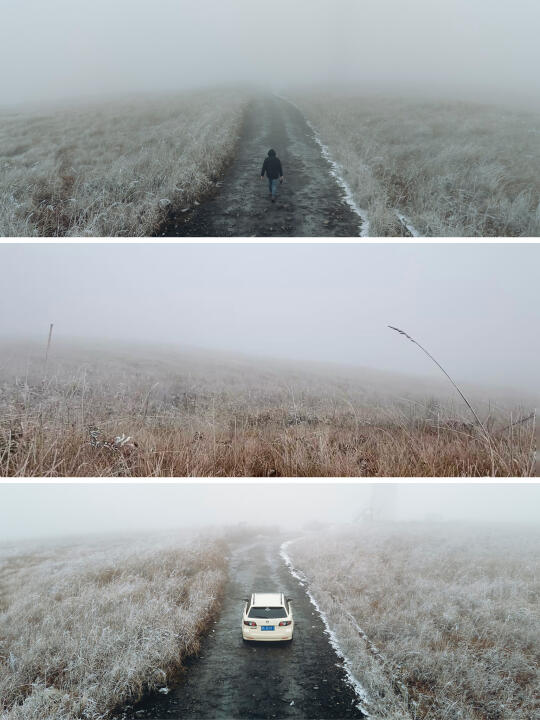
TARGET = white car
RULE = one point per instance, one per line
(267, 617)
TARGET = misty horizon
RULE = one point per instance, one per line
(471, 306)
(30, 511)
(78, 351)
(97, 50)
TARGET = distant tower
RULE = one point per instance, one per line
(381, 506)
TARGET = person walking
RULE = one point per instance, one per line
(274, 172)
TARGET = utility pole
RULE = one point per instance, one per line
(536, 468)
(48, 344)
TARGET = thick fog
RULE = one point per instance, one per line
(474, 306)
(31, 510)
(78, 48)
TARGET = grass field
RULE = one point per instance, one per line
(113, 169)
(143, 412)
(89, 625)
(119, 168)
(452, 169)
(438, 621)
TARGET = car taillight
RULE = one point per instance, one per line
(284, 623)
(250, 624)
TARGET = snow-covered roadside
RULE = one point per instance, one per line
(408, 224)
(303, 581)
(335, 171)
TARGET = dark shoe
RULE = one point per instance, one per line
(273, 200)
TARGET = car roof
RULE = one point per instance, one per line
(267, 599)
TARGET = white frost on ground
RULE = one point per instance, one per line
(408, 224)
(336, 173)
(303, 581)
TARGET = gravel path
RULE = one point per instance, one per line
(234, 679)
(310, 202)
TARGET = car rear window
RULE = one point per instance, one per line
(263, 613)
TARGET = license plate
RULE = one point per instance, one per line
(268, 627)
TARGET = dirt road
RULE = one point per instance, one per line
(309, 204)
(233, 679)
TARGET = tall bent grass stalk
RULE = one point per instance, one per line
(480, 423)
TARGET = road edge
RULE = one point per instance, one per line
(352, 680)
(335, 172)
(176, 217)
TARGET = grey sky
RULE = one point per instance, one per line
(470, 48)
(475, 306)
(31, 510)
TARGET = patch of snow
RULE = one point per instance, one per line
(302, 580)
(408, 224)
(336, 171)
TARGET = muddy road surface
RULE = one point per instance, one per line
(310, 203)
(235, 679)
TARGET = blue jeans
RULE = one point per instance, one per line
(272, 184)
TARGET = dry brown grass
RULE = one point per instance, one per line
(440, 622)
(89, 626)
(390, 449)
(194, 416)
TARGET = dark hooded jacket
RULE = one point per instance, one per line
(272, 166)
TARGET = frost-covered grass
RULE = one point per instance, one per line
(450, 616)
(453, 169)
(198, 414)
(89, 626)
(113, 169)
